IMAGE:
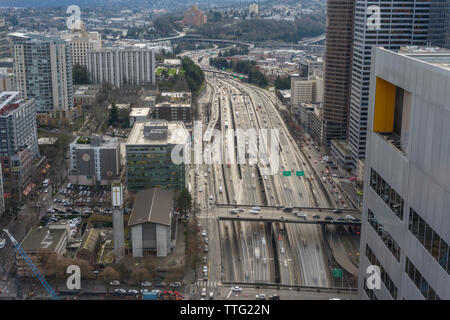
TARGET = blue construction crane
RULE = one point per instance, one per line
(32, 266)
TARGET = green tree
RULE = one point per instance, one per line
(113, 114)
(283, 84)
(184, 201)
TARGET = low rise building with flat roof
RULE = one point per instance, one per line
(149, 161)
(43, 240)
(94, 160)
(183, 97)
(172, 112)
(139, 115)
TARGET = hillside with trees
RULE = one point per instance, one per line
(266, 29)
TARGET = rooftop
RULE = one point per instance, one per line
(152, 205)
(140, 112)
(433, 55)
(95, 141)
(177, 134)
(43, 238)
(9, 101)
(172, 105)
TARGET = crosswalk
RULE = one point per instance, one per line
(203, 283)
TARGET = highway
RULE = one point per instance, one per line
(286, 253)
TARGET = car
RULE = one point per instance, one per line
(240, 210)
(203, 292)
(254, 212)
(282, 250)
(144, 290)
(132, 291)
(342, 219)
(120, 291)
(337, 211)
(316, 216)
(329, 218)
(349, 217)
(260, 296)
(204, 233)
(274, 297)
(146, 284)
(210, 197)
(175, 285)
(256, 209)
(285, 263)
(205, 268)
(114, 283)
(205, 259)
(206, 240)
(301, 215)
(2, 243)
(206, 249)
(236, 289)
(233, 211)
(161, 284)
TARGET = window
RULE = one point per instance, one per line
(385, 278)
(390, 243)
(387, 193)
(420, 282)
(430, 239)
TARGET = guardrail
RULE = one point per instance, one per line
(287, 286)
(261, 219)
(225, 205)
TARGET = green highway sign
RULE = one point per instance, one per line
(337, 273)
(286, 173)
(300, 173)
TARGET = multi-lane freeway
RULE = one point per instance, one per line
(254, 251)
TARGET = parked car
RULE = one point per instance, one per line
(114, 283)
(120, 291)
(146, 284)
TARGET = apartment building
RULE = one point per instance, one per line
(81, 42)
(121, 65)
(405, 225)
(43, 70)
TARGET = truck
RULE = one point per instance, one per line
(150, 296)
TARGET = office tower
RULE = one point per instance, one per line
(401, 23)
(122, 65)
(405, 224)
(338, 65)
(306, 90)
(4, 43)
(81, 42)
(43, 69)
(17, 124)
(149, 155)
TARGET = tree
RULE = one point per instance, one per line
(184, 201)
(139, 274)
(113, 114)
(282, 84)
(108, 275)
(80, 74)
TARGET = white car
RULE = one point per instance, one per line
(121, 291)
(2, 243)
(301, 215)
(349, 217)
(236, 289)
(146, 284)
(256, 208)
(254, 212)
(114, 283)
(204, 233)
(205, 269)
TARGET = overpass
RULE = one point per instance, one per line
(276, 214)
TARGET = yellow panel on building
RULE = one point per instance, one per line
(384, 106)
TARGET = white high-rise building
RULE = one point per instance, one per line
(121, 65)
(306, 90)
(253, 8)
(81, 42)
(402, 23)
(405, 222)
